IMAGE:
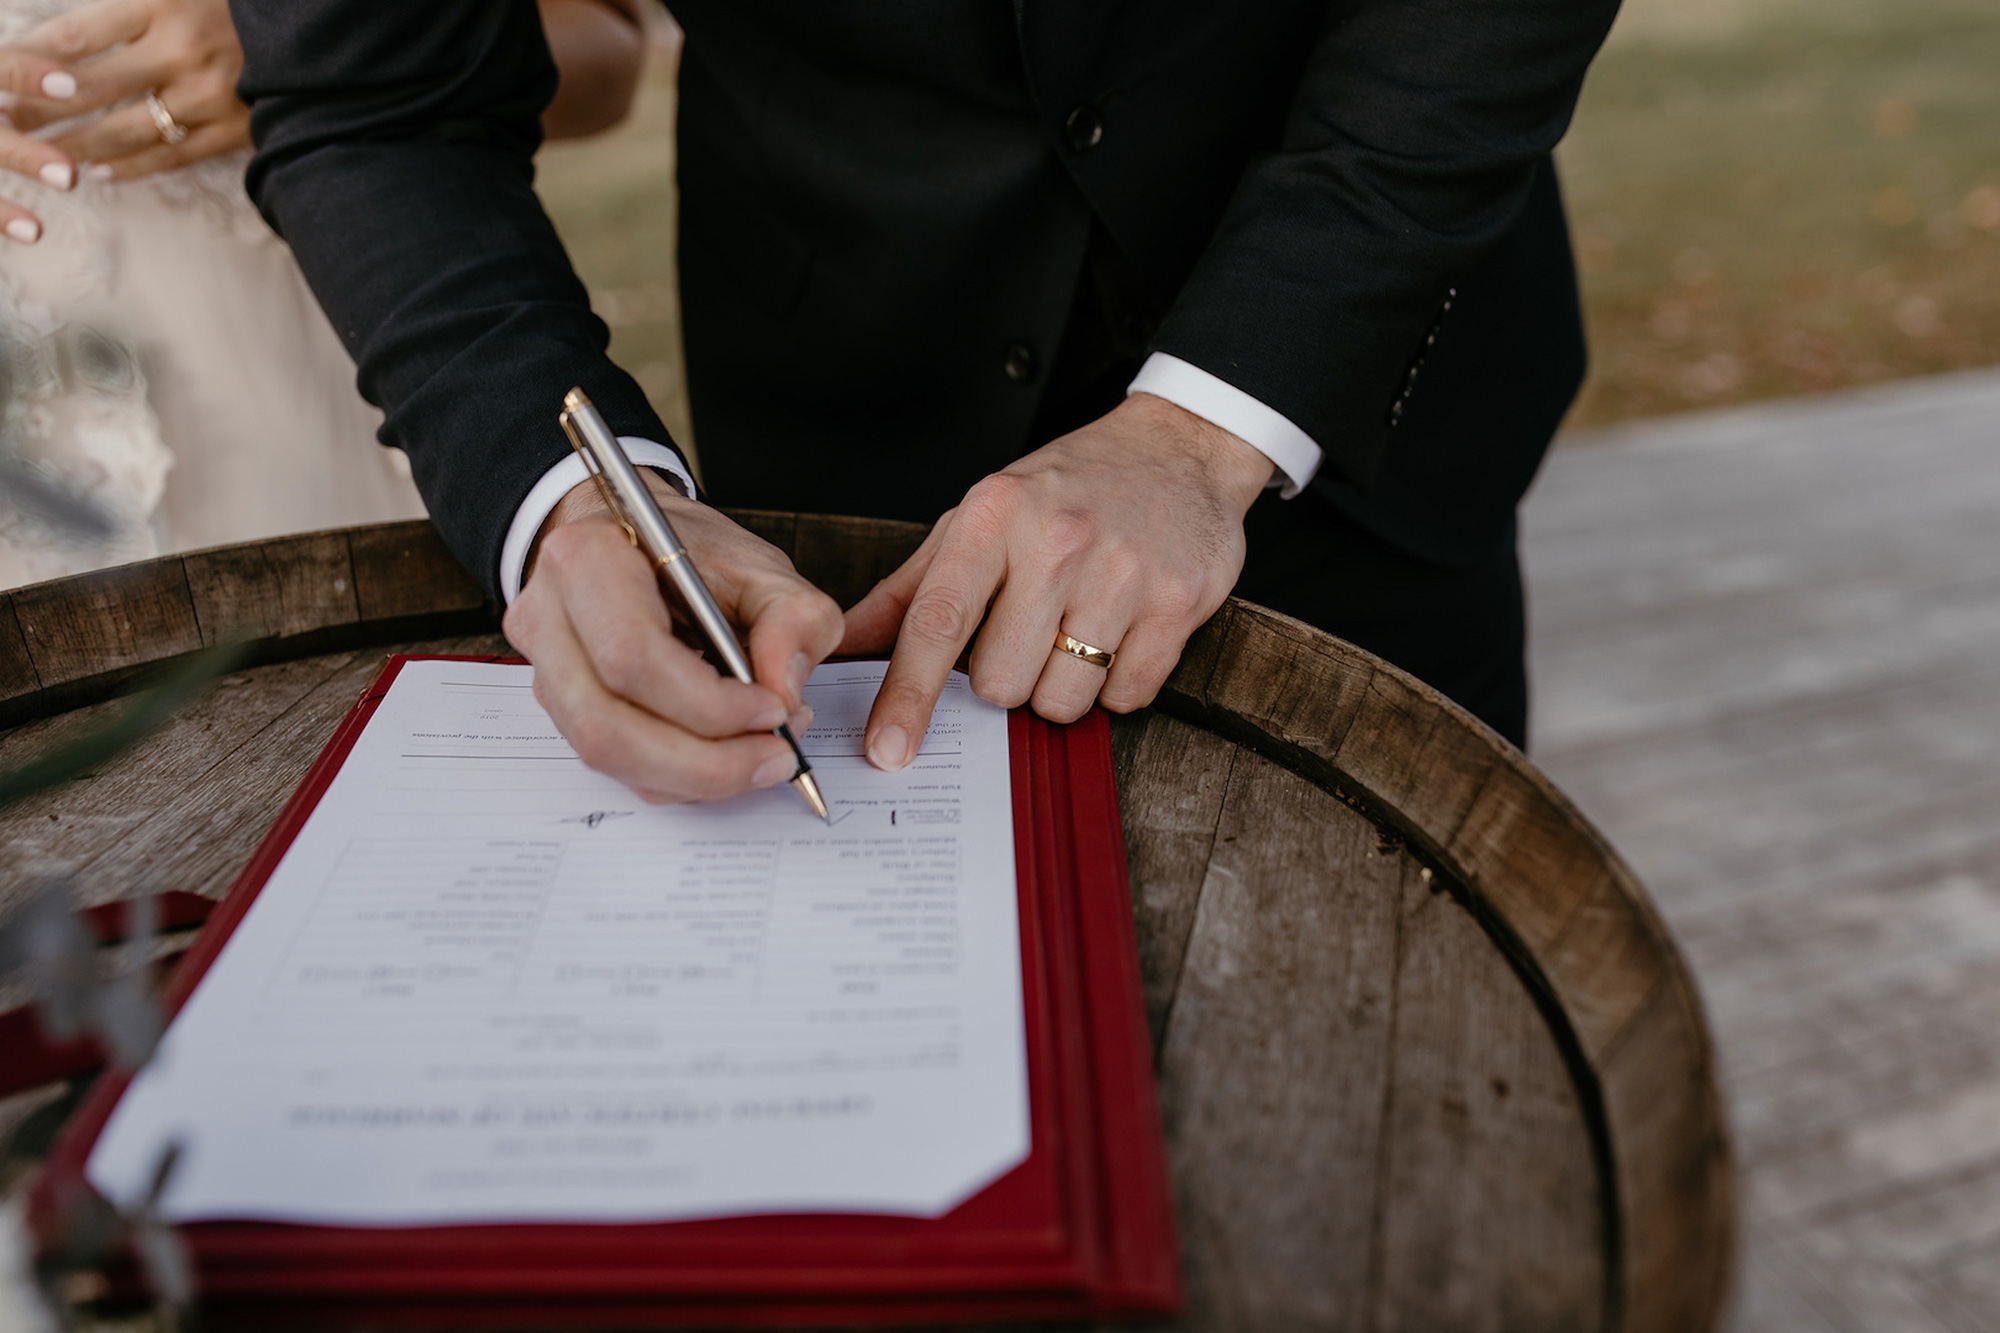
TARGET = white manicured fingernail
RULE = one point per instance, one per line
(776, 769)
(98, 171)
(60, 85)
(890, 749)
(25, 230)
(59, 174)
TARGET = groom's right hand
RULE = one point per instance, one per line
(637, 702)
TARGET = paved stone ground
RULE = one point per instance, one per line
(1766, 657)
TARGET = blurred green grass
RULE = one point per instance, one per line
(1770, 197)
(1783, 198)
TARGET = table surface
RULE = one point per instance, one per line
(1427, 1059)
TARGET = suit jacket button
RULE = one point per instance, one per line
(1084, 129)
(1020, 364)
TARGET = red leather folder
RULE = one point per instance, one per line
(1083, 1228)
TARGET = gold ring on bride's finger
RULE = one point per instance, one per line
(171, 130)
(1097, 657)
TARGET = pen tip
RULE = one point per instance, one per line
(810, 790)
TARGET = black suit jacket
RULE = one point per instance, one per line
(886, 206)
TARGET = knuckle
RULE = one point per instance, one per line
(622, 660)
(1000, 688)
(988, 505)
(1063, 711)
(938, 617)
(828, 611)
(518, 624)
(594, 742)
(1127, 698)
(1122, 566)
(1068, 533)
(815, 612)
(1177, 595)
(209, 94)
(67, 37)
(180, 50)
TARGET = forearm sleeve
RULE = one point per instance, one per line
(395, 148)
(1407, 154)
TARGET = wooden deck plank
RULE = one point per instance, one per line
(1764, 648)
(1817, 549)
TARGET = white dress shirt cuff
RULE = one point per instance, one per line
(555, 484)
(1267, 431)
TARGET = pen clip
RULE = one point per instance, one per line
(568, 422)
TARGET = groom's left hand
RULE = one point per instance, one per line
(1126, 534)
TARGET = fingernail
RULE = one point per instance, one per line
(770, 719)
(890, 749)
(7, 100)
(60, 85)
(97, 171)
(800, 720)
(59, 174)
(24, 230)
(797, 671)
(778, 768)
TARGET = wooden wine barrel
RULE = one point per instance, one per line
(1428, 1059)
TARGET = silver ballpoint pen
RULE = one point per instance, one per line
(635, 510)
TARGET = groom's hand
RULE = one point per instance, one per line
(1126, 534)
(637, 702)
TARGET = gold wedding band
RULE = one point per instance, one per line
(1097, 657)
(171, 130)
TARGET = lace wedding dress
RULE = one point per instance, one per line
(162, 359)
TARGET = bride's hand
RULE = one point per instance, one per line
(186, 54)
(24, 74)
(183, 52)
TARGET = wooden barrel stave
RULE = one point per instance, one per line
(184, 808)
(1548, 891)
(1594, 1192)
(1336, 1027)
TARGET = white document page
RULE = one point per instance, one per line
(488, 984)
